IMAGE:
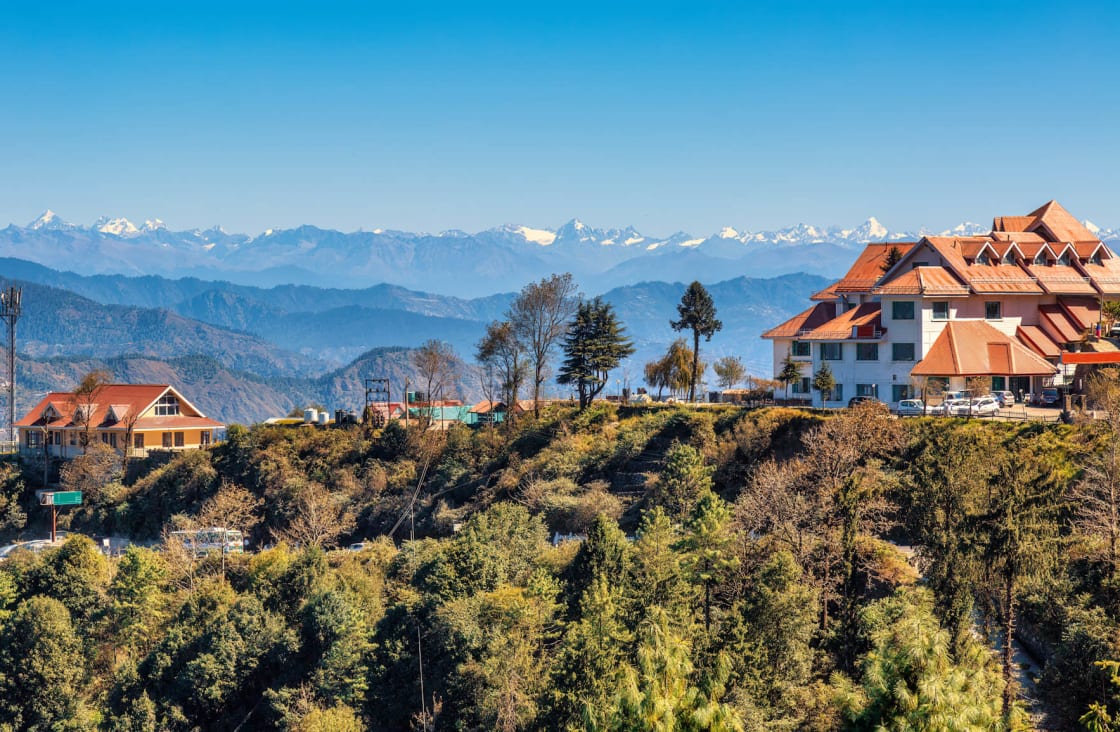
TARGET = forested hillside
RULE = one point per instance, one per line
(734, 570)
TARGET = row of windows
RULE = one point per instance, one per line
(904, 310)
(170, 439)
(868, 351)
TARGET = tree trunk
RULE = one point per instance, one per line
(1008, 655)
(695, 365)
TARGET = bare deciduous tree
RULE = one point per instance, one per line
(84, 401)
(539, 317)
(320, 518)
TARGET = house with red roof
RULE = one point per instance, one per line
(133, 417)
(1006, 306)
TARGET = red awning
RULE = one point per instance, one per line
(1092, 357)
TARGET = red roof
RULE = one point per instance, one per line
(804, 321)
(868, 267)
(974, 348)
(137, 398)
(859, 322)
(923, 281)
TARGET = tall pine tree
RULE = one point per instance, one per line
(596, 343)
(698, 314)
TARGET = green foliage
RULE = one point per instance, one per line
(730, 370)
(910, 679)
(683, 480)
(594, 345)
(824, 381)
(41, 667)
(697, 313)
(138, 597)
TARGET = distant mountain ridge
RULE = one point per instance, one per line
(452, 262)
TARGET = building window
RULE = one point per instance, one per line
(999, 383)
(867, 390)
(902, 310)
(167, 439)
(901, 391)
(941, 310)
(1008, 258)
(138, 441)
(832, 351)
(867, 351)
(799, 349)
(34, 440)
(167, 406)
(204, 437)
(1095, 259)
(1064, 259)
(837, 393)
(801, 387)
(902, 351)
(178, 439)
(73, 438)
(982, 258)
(993, 310)
(1039, 259)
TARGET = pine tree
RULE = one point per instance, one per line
(698, 314)
(708, 558)
(894, 254)
(790, 373)
(595, 344)
(824, 382)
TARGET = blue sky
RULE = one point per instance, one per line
(665, 116)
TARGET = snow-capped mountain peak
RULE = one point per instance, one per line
(49, 220)
(1093, 228)
(728, 233)
(116, 227)
(153, 225)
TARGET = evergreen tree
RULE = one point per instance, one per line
(595, 344)
(706, 547)
(683, 480)
(824, 381)
(790, 373)
(893, 256)
(697, 313)
(139, 603)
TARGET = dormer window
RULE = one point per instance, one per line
(1008, 258)
(50, 413)
(84, 412)
(982, 258)
(1064, 259)
(1095, 259)
(1039, 259)
(167, 406)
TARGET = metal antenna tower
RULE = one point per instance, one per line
(11, 307)
(377, 401)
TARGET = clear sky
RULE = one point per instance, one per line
(426, 116)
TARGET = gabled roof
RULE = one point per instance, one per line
(827, 294)
(974, 348)
(859, 322)
(1060, 223)
(868, 267)
(1012, 223)
(135, 399)
(807, 320)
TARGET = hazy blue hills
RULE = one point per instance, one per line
(292, 344)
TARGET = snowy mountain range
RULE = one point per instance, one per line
(454, 262)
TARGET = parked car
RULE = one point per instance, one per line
(911, 407)
(860, 400)
(954, 407)
(1005, 398)
(1114, 331)
(985, 406)
(1049, 398)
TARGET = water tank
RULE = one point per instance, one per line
(324, 417)
(310, 415)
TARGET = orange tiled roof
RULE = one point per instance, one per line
(1056, 322)
(1084, 311)
(1012, 223)
(859, 322)
(1036, 339)
(868, 267)
(828, 293)
(923, 281)
(815, 316)
(974, 348)
(136, 397)
(1106, 275)
(993, 278)
(1060, 223)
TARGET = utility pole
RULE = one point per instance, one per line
(11, 307)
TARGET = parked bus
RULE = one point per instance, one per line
(204, 541)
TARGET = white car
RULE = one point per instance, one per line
(911, 407)
(954, 407)
(984, 406)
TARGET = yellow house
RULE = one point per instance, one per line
(132, 417)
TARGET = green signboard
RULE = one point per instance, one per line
(67, 498)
